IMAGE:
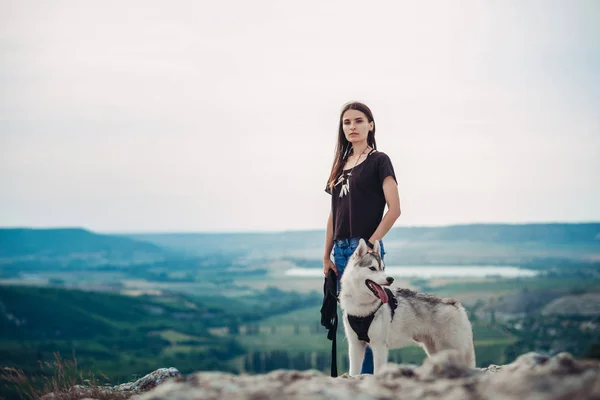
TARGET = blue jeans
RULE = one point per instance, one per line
(342, 250)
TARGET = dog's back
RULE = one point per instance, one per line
(434, 323)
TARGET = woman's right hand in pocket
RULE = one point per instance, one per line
(327, 265)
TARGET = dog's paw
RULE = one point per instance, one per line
(446, 364)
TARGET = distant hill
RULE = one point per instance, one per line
(110, 333)
(563, 233)
(535, 245)
(556, 233)
(74, 243)
(66, 314)
(587, 304)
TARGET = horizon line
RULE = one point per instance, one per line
(275, 231)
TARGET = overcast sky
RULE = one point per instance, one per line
(123, 116)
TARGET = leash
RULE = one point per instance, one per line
(329, 317)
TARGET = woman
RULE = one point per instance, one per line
(362, 182)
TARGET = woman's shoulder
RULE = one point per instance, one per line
(380, 156)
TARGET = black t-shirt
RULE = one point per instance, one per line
(357, 201)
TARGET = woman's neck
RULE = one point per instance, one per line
(359, 148)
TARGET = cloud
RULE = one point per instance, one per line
(148, 116)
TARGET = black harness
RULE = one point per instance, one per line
(361, 325)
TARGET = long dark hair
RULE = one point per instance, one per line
(343, 149)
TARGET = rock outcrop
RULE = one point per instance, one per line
(124, 390)
(532, 376)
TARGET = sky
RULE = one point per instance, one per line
(196, 116)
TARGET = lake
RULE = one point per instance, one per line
(438, 271)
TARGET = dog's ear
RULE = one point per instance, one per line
(377, 247)
(362, 248)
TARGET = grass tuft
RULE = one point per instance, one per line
(59, 380)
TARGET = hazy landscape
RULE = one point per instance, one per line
(126, 304)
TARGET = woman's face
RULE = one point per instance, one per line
(356, 126)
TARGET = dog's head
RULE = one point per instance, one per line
(365, 272)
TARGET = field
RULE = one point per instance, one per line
(222, 302)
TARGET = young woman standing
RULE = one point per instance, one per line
(361, 183)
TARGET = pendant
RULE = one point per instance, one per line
(345, 188)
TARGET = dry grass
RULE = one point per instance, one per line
(58, 380)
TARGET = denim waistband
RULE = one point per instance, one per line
(347, 242)
(350, 242)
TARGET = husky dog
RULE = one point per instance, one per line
(397, 318)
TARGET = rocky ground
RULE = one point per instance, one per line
(531, 376)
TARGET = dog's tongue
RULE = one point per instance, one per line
(381, 293)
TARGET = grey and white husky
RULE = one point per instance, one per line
(432, 322)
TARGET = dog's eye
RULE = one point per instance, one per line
(373, 269)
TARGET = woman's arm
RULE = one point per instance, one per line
(390, 191)
(327, 263)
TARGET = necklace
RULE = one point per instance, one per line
(346, 185)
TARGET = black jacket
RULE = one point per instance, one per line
(329, 318)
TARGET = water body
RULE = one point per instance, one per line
(438, 271)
